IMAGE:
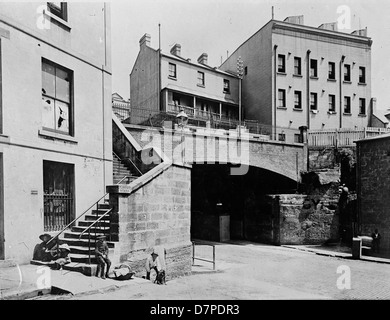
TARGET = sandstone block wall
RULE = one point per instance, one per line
(373, 166)
(158, 214)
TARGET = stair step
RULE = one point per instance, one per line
(103, 223)
(82, 258)
(84, 268)
(103, 206)
(76, 235)
(72, 242)
(81, 250)
(92, 218)
(102, 229)
(99, 211)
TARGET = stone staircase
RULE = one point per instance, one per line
(80, 245)
(120, 171)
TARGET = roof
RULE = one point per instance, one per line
(199, 94)
(382, 115)
(199, 65)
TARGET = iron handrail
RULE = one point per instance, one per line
(135, 166)
(90, 226)
(74, 220)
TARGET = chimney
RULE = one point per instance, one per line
(203, 59)
(329, 26)
(145, 40)
(294, 19)
(176, 50)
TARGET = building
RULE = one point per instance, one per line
(373, 187)
(296, 75)
(55, 118)
(161, 82)
(120, 106)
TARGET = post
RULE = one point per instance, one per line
(240, 71)
(213, 257)
(193, 253)
(356, 248)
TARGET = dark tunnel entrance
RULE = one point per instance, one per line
(225, 206)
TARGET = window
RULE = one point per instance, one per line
(56, 98)
(281, 63)
(362, 106)
(313, 68)
(347, 72)
(297, 66)
(313, 101)
(59, 9)
(297, 99)
(332, 71)
(282, 136)
(332, 103)
(347, 105)
(282, 98)
(226, 86)
(362, 75)
(200, 78)
(172, 70)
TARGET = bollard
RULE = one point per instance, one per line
(356, 248)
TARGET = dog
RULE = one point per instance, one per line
(160, 277)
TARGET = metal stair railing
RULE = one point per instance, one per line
(97, 221)
(74, 220)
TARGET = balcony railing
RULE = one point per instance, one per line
(343, 137)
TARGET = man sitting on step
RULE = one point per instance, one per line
(102, 257)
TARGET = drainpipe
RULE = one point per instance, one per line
(308, 88)
(275, 91)
(341, 91)
(159, 68)
(103, 95)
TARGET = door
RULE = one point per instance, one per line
(58, 195)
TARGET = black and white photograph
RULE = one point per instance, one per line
(193, 155)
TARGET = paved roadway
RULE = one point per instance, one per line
(254, 271)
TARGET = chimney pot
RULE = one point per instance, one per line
(203, 58)
(176, 50)
(145, 40)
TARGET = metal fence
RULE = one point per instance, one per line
(121, 110)
(343, 137)
(58, 211)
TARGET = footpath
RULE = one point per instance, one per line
(21, 282)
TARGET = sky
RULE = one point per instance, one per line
(218, 27)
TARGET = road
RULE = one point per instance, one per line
(252, 271)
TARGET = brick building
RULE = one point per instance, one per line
(296, 75)
(373, 186)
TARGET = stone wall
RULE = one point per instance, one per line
(304, 219)
(373, 167)
(157, 214)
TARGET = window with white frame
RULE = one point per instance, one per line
(313, 68)
(297, 66)
(59, 9)
(332, 103)
(331, 71)
(172, 70)
(56, 97)
(362, 106)
(297, 100)
(313, 101)
(201, 81)
(281, 63)
(362, 75)
(347, 72)
(226, 86)
(282, 98)
(347, 105)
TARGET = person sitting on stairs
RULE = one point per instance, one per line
(102, 257)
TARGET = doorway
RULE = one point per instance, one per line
(58, 195)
